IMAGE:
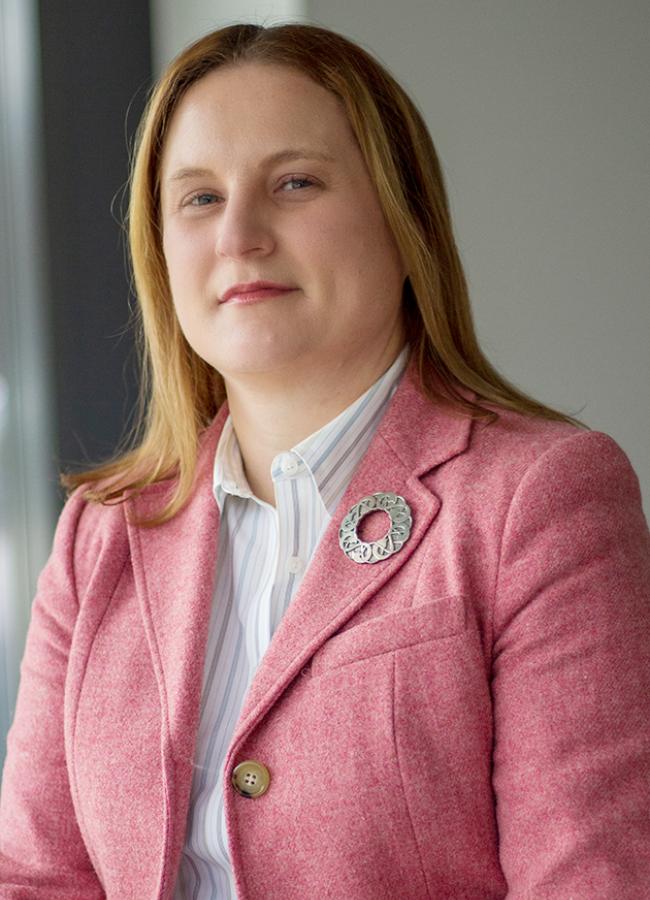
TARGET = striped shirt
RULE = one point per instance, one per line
(261, 559)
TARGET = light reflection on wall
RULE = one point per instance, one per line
(28, 488)
(8, 585)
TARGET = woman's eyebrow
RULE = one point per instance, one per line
(296, 153)
(287, 155)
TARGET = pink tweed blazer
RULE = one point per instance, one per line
(465, 719)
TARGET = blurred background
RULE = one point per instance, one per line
(540, 114)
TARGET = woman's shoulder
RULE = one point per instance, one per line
(87, 530)
(517, 449)
(509, 441)
(519, 438)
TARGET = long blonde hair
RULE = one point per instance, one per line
(180, 392)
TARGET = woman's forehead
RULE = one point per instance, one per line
(261, 111)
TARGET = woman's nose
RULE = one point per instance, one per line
(243, 227)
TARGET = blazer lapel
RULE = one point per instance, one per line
(174, 571)
(413, 437)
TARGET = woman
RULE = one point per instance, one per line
(355, 618)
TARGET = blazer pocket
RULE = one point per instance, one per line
(430, 621)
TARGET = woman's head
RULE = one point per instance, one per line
(392, 146)
(394, 238)
(261, 179)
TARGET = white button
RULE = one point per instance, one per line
(294, 565)
(290, 465)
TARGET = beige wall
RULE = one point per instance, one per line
(176, 23)
(540, 115)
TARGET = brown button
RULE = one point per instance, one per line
(251, 779)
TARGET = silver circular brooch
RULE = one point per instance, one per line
(374, 551)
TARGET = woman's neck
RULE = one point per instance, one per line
(271, 415)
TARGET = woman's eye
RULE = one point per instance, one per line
(196, 199)
(301, 182)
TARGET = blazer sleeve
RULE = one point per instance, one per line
(571, 678)
(42, 852)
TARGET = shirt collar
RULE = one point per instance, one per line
(343, 441)
(228, 475)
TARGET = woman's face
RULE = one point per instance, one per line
(262, 179)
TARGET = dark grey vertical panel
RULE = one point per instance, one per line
(96, 66)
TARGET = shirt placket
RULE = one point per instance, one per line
(290, 476)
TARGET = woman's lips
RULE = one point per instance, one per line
(256, 296)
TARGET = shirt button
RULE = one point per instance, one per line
(289, 465)
(251, 779)
(294, 565)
